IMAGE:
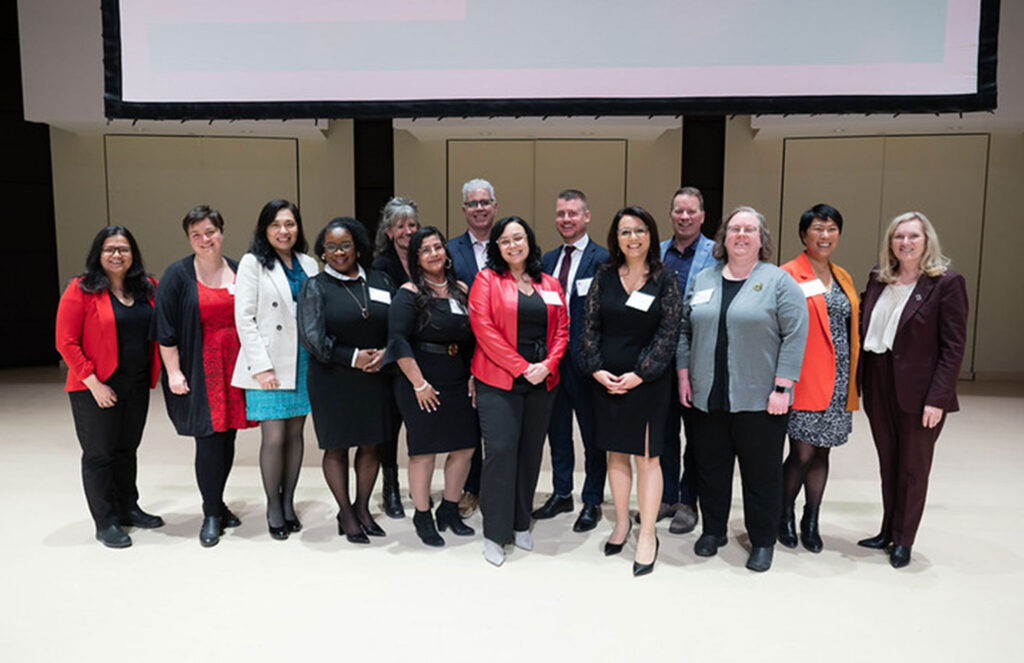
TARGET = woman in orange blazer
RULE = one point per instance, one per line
(519, 318)
(826, 395)
(103, 335)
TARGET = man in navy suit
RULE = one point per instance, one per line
(574, 264)
(687, 252)
(468, 252)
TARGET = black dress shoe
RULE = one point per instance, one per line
(643, 569)
(810, 536)
(293, 525)
(228, 519)
(447, 516)
(787, 528)
(760, 559)
(390, 494)
(899, 557)
(555, 505)
(370, 526)
(358, 537)
(279, 533)
(139, 518)
(880, 541)
(209, 533)
(615, 548)
(112, 536)
(589, 515)
(425, 529)
(708, 544)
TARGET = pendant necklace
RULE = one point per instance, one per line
(364, 307)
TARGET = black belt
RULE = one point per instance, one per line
(451, 349)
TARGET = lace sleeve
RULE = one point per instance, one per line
(658, 355)
(589, 358)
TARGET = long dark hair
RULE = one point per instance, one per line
(361, 239)
(95, 280)
(416, 277)
(534, 266)
(616, 258)
(260, 246)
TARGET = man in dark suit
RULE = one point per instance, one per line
(468, 252)
(574, 264)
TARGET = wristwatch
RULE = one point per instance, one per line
(779, 389)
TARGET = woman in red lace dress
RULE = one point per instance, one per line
(194, 323)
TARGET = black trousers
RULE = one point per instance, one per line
(676, 489)
(513, 427)
(573, 394)
(110, 438)
(756, 439)
(214, 456)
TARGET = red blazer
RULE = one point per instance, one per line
(493, 315)
(929, 343)
(87, 337)
(818, 373)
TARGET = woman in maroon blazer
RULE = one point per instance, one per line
(518, 316)
(913, 332)
(102, 334)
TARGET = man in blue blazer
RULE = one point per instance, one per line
(468, 252)
(686, 253)
(574, 264)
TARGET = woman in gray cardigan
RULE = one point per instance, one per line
(741, 345)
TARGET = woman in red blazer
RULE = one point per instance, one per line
(519, 318)
(913, 333)
(826, 395)
(103, 335)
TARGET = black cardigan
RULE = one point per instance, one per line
(176, 323)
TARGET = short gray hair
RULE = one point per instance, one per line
(477, 183)
(396, 208)
(763, 254)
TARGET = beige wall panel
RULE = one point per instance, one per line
(845, 173)
(153, 181)
(420, 168)
(654, 172)
(79, 197)
(753, 171)
(326, 177)
(943, 177)
(596, 167)
(507, 164)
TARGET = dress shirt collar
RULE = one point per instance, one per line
(341, 277)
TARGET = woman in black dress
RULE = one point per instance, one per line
(343, 322)
(430, 339)
(629, 340)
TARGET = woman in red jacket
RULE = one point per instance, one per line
(522, 328)
(102, 334)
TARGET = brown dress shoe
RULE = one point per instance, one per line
(468, 504)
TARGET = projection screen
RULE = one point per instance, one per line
(410, 58)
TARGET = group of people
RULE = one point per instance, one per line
(482, 346)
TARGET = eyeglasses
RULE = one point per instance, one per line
(506, 242)
(473, 204)
(430, 250)
(117, 250)
(626, 233)
(743, 230)
(344, 247)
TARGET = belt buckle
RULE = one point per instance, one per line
(453, 349)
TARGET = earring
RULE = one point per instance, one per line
(448, 264)
(324, 257)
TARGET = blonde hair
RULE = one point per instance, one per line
(933, 263)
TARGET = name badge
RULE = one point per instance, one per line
(231, 289)
(456, 307)
(382, 296)
(641, 301)
(550, 297)
(701, 296)
(812, 288)
(583, 286)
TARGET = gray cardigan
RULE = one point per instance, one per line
(767, 328)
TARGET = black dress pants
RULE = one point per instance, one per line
(513, 427)
(756, 439)
(109, 438)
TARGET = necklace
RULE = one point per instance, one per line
(364, 307)
(442, 284)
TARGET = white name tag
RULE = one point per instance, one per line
(583, 286)
(456, 307)
(550, 297)
(701, 296)
(382, 296)
(812, 288)
(231, 289)
(641, 301)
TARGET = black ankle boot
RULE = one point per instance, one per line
(424, 522)
(389, 493)
(809, 535)
(787, 527)
(448, 516)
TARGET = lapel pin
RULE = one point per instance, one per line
(757, 287)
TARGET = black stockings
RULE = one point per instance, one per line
(214, 456)
(366, 464)
(807, 467)
(280, 461)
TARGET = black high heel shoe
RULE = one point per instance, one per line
(448, 516)
(358, 537)
(787, 528)
(279, 533)
(643, 569)
(424, 522)
(615, 548)
(371, 528)
(293, 525)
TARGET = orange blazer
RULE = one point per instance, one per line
(494, 315)
(818, 372)
(87, 337)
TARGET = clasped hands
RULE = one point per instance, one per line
(369, 360)
(617, 384)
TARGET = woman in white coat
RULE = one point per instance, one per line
(272, 365)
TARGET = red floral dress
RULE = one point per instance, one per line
(220, 350)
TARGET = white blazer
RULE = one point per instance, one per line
(265, 320)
